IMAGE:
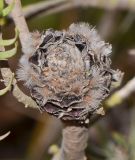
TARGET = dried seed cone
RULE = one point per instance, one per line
(69, 73)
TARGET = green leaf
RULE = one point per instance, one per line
(9, 41)
(8, 9)
(1, 5)
(7, 54)
(3, 91)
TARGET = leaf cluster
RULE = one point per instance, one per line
(4, 55)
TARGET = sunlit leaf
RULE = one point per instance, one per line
(7, 54)
(9, 41)
(1, 5)
(3, 91)
(4, 136)
(8, 9)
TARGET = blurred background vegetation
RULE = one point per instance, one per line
(113, 136)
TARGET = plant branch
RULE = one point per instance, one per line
(74, 142)
(46, 6)
(54, 6)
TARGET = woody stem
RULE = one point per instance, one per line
(74, 143)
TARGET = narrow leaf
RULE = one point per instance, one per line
(3, 91)
(7, 54)
(9, 41)
(8, 9)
